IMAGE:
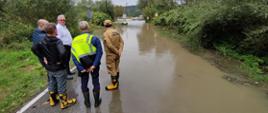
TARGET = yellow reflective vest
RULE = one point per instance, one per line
(81, 46)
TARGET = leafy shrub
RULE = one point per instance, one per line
(14, 32)
(99, 17)
(209, 23)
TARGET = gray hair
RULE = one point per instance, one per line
(60, 17)
(42, 23)
(83, 25)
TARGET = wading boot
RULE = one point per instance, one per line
(96, 94)
(86, 99)
(65, 102)
(117, 78)
(53, 100)
(114, 85)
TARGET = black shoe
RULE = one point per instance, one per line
(86, 99)
(71, 73)
(97, 98)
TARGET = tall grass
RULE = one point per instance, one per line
(21, 76)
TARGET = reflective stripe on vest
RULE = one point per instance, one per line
(82, 46)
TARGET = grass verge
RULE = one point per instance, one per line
(21, 76)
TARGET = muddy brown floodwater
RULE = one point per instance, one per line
(158, 75)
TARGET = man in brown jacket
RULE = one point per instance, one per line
(113, 44)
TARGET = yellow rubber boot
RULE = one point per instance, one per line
(52, 98)
(65, 102)
(114, 85)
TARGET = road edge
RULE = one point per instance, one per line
(35, 99)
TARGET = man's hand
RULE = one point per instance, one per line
(91, 69)
(83, 71)
(119, 53)
(45, 60)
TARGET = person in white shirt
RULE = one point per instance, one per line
(65, 36)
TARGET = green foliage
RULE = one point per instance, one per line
(250, 63)
(14, 32)
(2, 4)
(32, 10)
(152, 7)
(209, 23)
(104, 6)
(118, 11)
(99, 17)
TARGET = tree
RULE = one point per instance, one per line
(2, 4)
(118, 11)
(151, 7)
(32, 10)
(105, 6)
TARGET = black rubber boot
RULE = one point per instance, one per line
(97, 98)
(53, 98)
(86, 99)
(117, 77)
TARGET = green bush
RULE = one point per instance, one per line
(208, 23)
(99, 17)
(14, 32)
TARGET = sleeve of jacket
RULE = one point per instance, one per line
(61, 49)
(77, 64)
(36, 49)
(96, 42)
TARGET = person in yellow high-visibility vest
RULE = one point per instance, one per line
(86, 53)
(113, 44)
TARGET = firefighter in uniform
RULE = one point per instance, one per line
(113, 44)
(86, 53)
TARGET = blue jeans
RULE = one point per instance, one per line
(57, 81)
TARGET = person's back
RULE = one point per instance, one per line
(113, 44)
(53, 50)
(39, 34)
(114, 38)
(87, 53)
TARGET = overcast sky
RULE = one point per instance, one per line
(123, 2)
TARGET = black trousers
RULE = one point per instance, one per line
(68, 57)
(94, 78)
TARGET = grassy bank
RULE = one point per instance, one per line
(21, 76)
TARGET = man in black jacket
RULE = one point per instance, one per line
(52, 51)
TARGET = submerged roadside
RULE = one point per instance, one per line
(237, 72)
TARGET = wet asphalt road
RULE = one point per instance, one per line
(160, 76)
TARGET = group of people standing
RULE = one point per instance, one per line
(54, 46)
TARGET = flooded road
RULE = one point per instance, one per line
(159, 76)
